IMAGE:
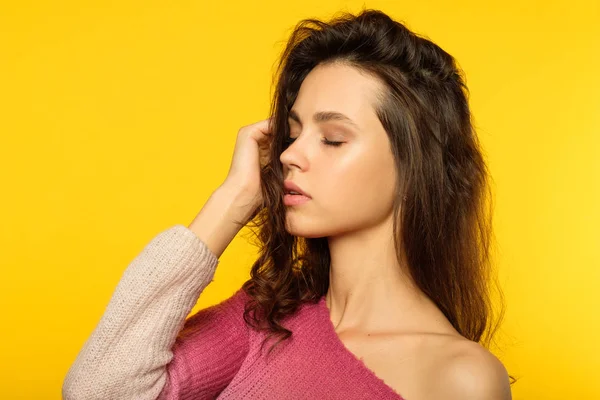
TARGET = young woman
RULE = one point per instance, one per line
(369, 191)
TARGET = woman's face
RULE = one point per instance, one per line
(351, 185)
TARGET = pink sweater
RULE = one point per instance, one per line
(144, 347)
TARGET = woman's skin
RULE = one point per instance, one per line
(377, 312)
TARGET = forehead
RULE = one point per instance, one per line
(341, 88)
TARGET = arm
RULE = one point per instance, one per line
(208, 352)
(127, 354)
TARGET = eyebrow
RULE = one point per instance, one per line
(325, 116)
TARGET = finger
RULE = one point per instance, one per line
(265, 127)
(269, 126)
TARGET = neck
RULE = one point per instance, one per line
(367, 283)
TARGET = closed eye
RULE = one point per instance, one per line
(289, 140)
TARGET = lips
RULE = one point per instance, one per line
(291, 186)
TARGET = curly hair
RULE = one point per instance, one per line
(443, 231)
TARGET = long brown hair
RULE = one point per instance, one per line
(443, 231)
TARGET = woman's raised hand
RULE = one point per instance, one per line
(250, 154)
(240, 195)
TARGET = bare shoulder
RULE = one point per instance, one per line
(470, 371)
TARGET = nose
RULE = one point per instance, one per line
(291, 155)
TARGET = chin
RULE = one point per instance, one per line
(300, 227)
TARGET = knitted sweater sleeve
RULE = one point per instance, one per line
(144, 348)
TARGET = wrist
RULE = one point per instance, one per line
(216, 223)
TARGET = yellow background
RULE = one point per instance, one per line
(118, 119)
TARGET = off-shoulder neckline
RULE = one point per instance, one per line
(365, 371)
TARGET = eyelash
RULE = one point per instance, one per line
(289, 141)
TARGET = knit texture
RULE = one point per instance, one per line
(144, 347)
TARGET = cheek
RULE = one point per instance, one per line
(362, 185)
